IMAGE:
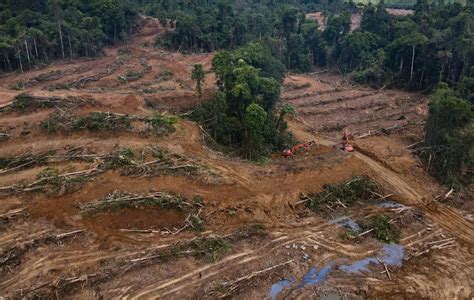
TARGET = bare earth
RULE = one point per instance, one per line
(48, 248)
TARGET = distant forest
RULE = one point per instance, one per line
(434, 45)
(258, 41)
(33, 32)
(418, 51)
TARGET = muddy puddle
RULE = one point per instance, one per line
(390, 254)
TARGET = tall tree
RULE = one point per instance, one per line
(198, 75)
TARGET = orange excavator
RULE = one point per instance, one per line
(299, 148)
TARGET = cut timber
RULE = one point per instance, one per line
(256, 273)
(68, 234)
(386, 268)
(12, 213)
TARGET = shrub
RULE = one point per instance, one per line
(102, 121)
(162, 124)
(382, 230)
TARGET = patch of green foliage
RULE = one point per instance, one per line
(121, 200)
(360, 188)
(382, 230)
(164, 75)
(197, 223)
(58, 183)
(241, 117)
(162, 124)
(103, 121)
(22, 101)
(25, 160)
(100, 121)
(346, 235)
(449, 138)
(131, 75)
(35, 32)
(54, 123)
(213, 248)
(199, 76)
(5, 162)
(118, 159)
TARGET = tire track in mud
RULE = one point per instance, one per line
(155, 290)
(314, 235)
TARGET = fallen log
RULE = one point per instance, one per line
(12, 213)
(256, 273)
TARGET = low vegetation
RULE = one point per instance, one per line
(25, 160)
(212, 248)
(52, 182)
(105, 121)
(150, 161)
(27, 102)
(120, 200)
(102, 121)
(161, 124)
(382, 229)
(360, 188)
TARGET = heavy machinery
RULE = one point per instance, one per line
(299, 148)
(346, 143)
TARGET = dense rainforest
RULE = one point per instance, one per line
(435, 44)
(33, 32)
(430, 50)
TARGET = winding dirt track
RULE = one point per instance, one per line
(448, 218)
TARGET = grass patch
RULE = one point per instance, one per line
(54, 123)
(382, 230)
(344, 194)
(346, 235)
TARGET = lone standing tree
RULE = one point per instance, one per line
(198, 76)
